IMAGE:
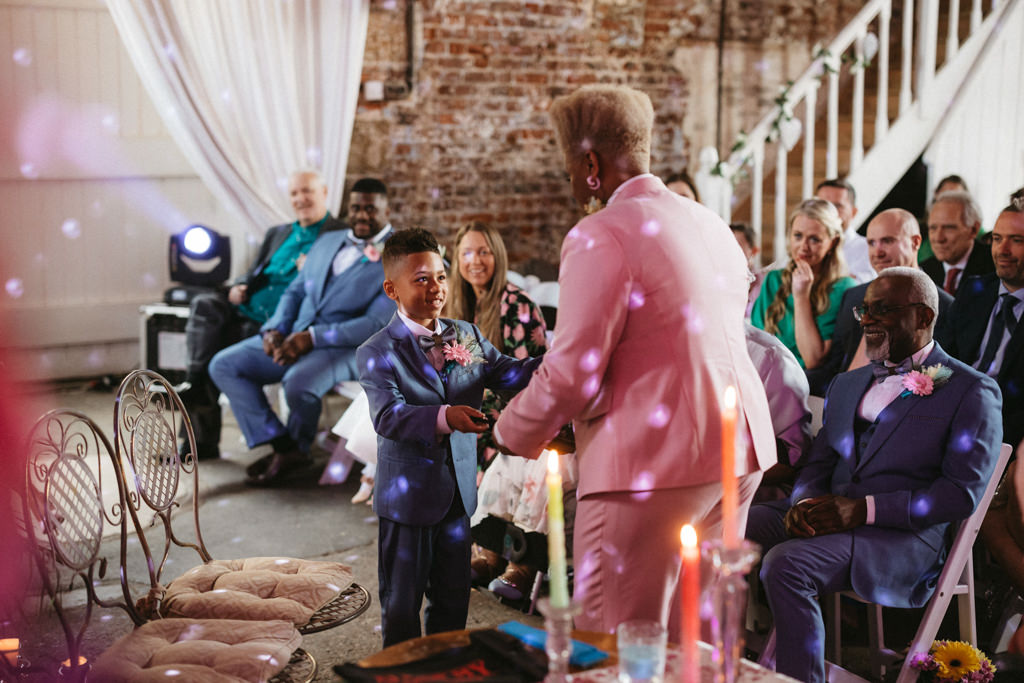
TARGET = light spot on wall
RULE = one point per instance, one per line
(22, 56)
(71, 228)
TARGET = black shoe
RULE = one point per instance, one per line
(279, 467)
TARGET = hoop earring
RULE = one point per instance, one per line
(593, 182)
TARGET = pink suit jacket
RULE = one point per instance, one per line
(650, 333)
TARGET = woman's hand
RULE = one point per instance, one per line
(803, 278)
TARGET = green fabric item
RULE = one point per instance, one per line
(280, 272)
(786, 333)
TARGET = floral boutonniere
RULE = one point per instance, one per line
(949, 661)
(371, 253)
(465, 351)
(926, 380)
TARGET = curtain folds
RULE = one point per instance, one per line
(252, 90)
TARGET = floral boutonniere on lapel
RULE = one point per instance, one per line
(464, 351)
(371, 253)
(926, 380)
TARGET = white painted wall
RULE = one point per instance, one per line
(91, 187)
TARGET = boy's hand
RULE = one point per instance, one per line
(466, 419)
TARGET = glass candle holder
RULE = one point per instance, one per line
(725, 602)
(558, 644)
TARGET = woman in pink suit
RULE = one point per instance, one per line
(653, 289)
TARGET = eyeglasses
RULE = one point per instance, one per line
(878, 310)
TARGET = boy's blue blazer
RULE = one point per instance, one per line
(415, 483)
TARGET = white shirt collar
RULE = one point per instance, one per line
(623, 185)
(372, 240)
(416, 328)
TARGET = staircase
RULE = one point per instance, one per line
(871, 102)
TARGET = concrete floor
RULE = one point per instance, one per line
(301, 519)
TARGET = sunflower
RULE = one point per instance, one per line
(955, 659)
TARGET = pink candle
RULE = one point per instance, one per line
(730, 496)
(690, 605)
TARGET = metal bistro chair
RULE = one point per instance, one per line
(64, 515)
(148, 415)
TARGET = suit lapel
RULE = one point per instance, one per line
(336, 243)
(848, 402)
(413, 358)
(1012, 354)
(894, 413)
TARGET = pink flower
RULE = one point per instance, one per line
(371, 253)
(521, 352)
(538, 336)
(918, 383)
(518, 333)
(525, 314)
(458, 353)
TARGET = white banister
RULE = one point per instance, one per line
(810, 115)
(832, 126)
(780, 202)
(757, 185)
(882, 105)
(927, 39)
(857, 139)
(907, 50)
(953, 26)
(975, 15)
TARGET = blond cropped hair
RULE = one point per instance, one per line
(614, 121)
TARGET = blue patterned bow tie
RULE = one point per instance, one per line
(882, 371)
(428, 342)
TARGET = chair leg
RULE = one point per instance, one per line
(876, 640)
(965, 606)
(832, 607)
(535, 591)
(767, 657)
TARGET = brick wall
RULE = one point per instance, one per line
(472, 139)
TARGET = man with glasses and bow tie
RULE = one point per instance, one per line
(309, 343)
(984, 329)
(907, 445)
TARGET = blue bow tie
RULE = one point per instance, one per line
(882, 371)
(428, 342)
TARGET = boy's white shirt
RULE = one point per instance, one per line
(417, 329)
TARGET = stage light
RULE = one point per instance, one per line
(200, 260)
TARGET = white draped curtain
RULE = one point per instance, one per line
(252, 90)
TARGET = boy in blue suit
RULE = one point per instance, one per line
(424, 377)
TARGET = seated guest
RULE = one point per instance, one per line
(799, 303)
(424, 377)
(887, 473)
(953, 224)
(747, 240)
(893, 240)
(786, 387)
(983, 327)
(855, 248)
(309, 344)
(481, 293)
(218, 319)
(682, 184)
(951, 183)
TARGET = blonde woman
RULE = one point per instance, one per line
(799, 303)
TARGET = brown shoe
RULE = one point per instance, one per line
(515, 583)
(484, 565)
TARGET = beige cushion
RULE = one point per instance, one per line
(199, 651)
(256, 588)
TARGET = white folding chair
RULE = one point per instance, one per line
(956, 578)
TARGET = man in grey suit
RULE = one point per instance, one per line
(309, 343)
(898, 458)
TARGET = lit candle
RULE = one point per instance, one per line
(730, 497)
(690, 602)
(9, 649)
(556, 534)
(82, 661)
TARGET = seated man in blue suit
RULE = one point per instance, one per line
(899, 456)
(309, 343)
(424, 377)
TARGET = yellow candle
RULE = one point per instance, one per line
(9, 649)
(730, 496)
(82, 661)
(690, 604)
(556, 534)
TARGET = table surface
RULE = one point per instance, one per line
(606, 672)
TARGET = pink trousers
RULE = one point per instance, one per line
(626, 550)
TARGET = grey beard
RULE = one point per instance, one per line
(880, 352)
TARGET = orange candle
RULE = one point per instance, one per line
(9, 649)
(730, 496)
(82, 661)
(690, 602)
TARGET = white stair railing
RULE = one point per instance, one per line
(854, 50)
